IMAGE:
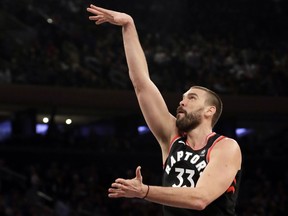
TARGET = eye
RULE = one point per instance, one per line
(191, 97)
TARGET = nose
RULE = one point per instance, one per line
(181, 103)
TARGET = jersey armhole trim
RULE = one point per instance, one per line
(210, 149)
(172, 141)
(170, 146)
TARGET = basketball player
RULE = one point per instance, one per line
(201, 169)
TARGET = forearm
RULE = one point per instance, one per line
(136, 60)
(181, 197)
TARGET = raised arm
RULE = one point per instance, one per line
(152, 104)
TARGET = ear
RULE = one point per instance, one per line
(210, 111)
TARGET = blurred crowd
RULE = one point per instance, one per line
(51, 180)
(233, 48)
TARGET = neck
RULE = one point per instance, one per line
(198, 137)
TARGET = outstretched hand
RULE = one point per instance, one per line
(102, 15)
(129, 188)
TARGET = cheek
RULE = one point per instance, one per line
(195, 108)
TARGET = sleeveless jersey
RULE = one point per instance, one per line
(183, 168)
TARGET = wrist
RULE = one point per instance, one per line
(129, 24)
(147, 192)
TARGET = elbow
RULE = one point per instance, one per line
(200, 204)
(137, 84)
(137, 89)
(140, 81)
(140, 86)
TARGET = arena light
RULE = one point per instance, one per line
(50, 20)
(68, 121)
(5, 130)
(45, 120)
(143, 129)
(41, 128)
(240, 132)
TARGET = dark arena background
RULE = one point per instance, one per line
(69, 120)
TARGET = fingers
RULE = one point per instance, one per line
(98, 19)
(120, 181)
(138, 169)
(138, 173)
(95, 18)
(102, 14)
(115, 193)
(117, 190)
(99, 9)
(94, 11)
(118, 186)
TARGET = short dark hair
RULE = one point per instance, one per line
(215, 100)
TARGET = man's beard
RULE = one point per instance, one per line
(189, 121)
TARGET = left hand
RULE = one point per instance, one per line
(129, 188)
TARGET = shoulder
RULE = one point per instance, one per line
(228, 141)
(223, 142)
(227, 149)
(226, 146)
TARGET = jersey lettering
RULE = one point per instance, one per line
(194, 159)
